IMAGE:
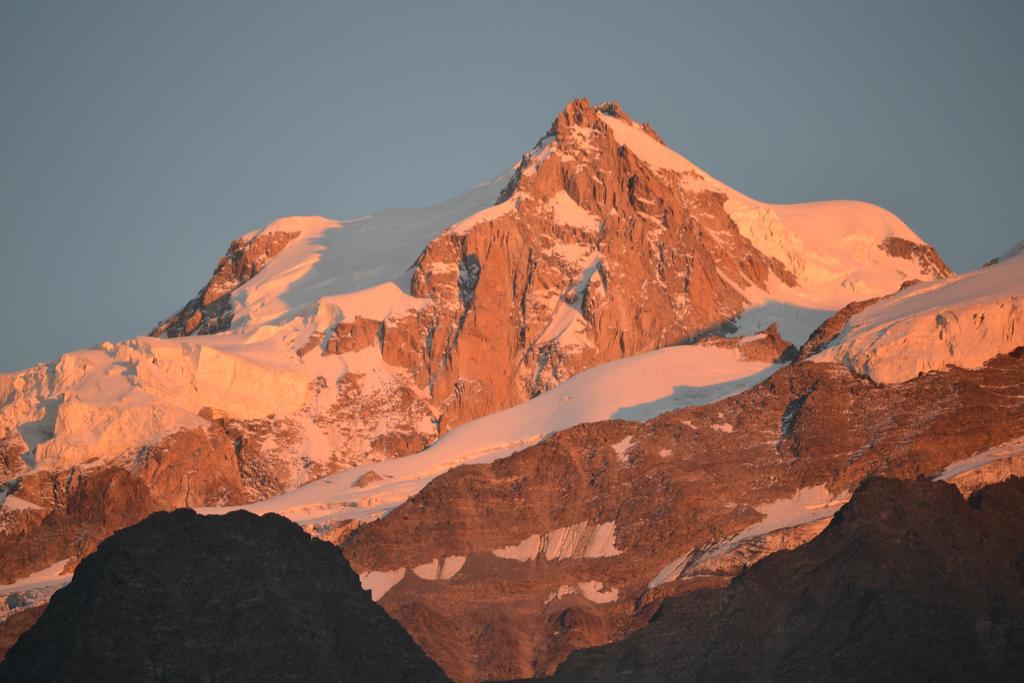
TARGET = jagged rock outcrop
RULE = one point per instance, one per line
(81, 509)
(185, 597)
(593, 255)
(909, 582)
(827, 332)
(211, 311)
(927, 258)
(767, 346)
(575, 541)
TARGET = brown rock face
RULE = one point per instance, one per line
(597, 258)
(831, 328)
(192, 468)
(367, 479)
(924, 254)
(575, 541)
(11, 448)
(767, 346)
(79, 507)
(909, 582)
(656, 272)
(12, 627)
(353, 336)
(210, 311)
(83, 508)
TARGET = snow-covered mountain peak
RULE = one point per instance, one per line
(318, 345)
(594, 164)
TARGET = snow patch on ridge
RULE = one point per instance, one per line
(808, 504)
(491, 213)
(986, 467)
(622, 447)
(48, 577)
(568, 212)
(440, 570)
(379, 583)
(594, 591)
(581, 540)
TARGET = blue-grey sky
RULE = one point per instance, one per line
(138, 138)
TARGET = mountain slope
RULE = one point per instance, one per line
(604, 244)
(576, 540)
(961, 321)
(646, 386)
(889, 591)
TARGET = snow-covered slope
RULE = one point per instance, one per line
(962, 321)
(636, 388)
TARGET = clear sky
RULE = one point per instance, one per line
(138, 138)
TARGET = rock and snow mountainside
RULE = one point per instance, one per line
(500, 570)
(890, 591)
(321, 345)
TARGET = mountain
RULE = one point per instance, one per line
(603, 244)
(318, 345)
(185, 597)
(889, 591)
(330, 370)
(500, 570)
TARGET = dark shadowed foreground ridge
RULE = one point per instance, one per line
(238, 597)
